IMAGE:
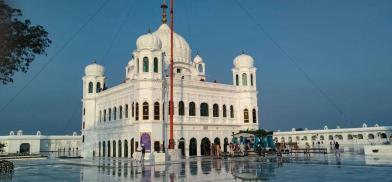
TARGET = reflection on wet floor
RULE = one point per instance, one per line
(223, 169)
(293, 168)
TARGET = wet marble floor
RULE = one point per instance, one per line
(291, 168)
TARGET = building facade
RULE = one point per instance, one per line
(117, 120)
(351, 139)
(35, 144)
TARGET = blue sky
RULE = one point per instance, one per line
(344, 46)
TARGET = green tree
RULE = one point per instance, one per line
(20, 42)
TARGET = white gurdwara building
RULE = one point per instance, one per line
(119, 119)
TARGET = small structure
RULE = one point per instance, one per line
(21, 144)
(254, 141)
(350, 139)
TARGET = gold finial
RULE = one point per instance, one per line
(164, 7)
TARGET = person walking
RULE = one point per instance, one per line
(307, 150)
(143, 153)
(218, 150)
(337, 150)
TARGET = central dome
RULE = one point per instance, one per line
(182, 51)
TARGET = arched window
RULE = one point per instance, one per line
(360, 136)
(181, 109)
(244, 79)
(203, 109)
(251, 79)
(90, 87)
(145, 64)
(246, 116)
(126, 110)
(321, 137)
(192, 109)
(137, 65)
(232, 111)
(98, 87)
(133, 109)
(330, 137)
(137, 111)
(100, 116)
(156, 65)
(114, 113)
(145, 111)
(110, 114)
(224, 111)
(237, 80)
(350, 137)
(200, 68)
(254, 115)
(104, 115)
(371, 136)
(156, 111)
(215, 110)
(121, 112)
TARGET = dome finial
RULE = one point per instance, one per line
(242, 52)
(164, 7)
(94, 61)
(149, 30)
(197, 52)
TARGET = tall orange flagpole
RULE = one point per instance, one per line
(171, 140)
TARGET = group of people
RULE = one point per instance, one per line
(216, 150)
(140, 153)
(238, 148)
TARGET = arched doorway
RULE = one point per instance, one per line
(205, 146)
(193, 147)
(114, 149)
(125, 148)
(145, 140)
(103, 149)
(383, 136)
(119, 148)
(157, 146)
(109, 149)
(217, 141)
(132, 147)
(99, 149)
(225, 143)
(181, 145)
(24, 148)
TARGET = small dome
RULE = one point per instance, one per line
(12, 133)
(19, 133)
(94, 70)
(197, 59)
(38, 133)
(74, 133)
(243, 60)
(149, 41)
